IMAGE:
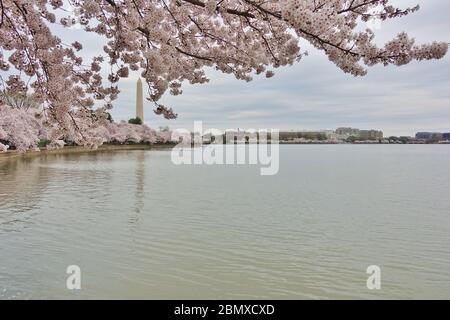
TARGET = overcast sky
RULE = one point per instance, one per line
(314, 94)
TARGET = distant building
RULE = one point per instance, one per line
(434, 136)
(370, 135)
(424, 135)
(437, 136)
(446, 136)
(331, 135)
(139, 100)
(347, 131)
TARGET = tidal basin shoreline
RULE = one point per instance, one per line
(80, 149)
(13, 154)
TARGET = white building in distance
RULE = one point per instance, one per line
(139, 100)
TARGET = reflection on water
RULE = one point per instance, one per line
(20, 192)
(140, 190)
(141, 227)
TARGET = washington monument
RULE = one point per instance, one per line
(139, 101)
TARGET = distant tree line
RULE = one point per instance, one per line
(303, 135)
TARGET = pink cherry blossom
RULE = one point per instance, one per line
(19, 128)
(56, 144)
(23, 129)
(171, 42)
(3, 148)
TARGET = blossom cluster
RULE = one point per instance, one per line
(20, 129)
(24, 129)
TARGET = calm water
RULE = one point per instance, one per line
(140, 227)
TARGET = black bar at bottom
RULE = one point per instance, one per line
(224, 309)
